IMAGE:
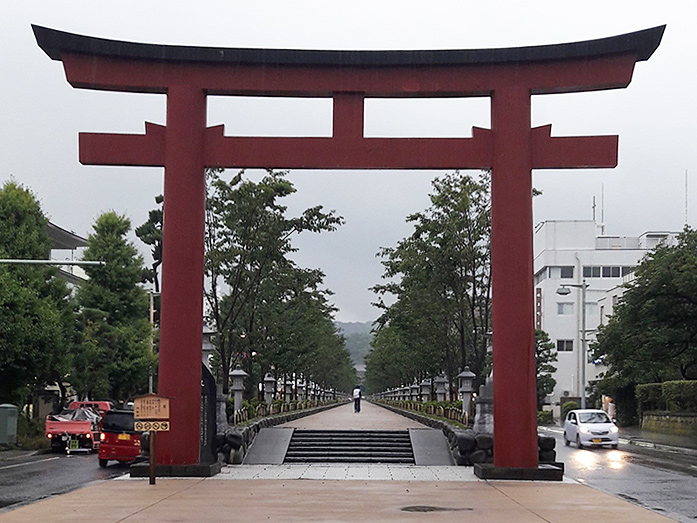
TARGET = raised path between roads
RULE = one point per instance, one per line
(371, 417)
(335, 493)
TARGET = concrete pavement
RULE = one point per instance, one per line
(335, 493)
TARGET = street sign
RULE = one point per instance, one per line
(152, 426)
(151, 407)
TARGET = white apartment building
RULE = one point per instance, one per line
(571, 253)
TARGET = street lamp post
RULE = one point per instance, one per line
(565, 291)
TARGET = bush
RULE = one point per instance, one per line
(31, 433)
(650, 397)
(680, 395)
(545, 417)
(569, 405)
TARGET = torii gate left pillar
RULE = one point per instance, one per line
(511, 149)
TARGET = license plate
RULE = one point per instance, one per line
(124, 436)
(597, 440)
(73, 444)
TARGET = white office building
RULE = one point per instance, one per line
(579, 254)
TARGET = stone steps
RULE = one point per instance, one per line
(350, 446)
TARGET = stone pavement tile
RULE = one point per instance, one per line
(335, 473)
(315, 472)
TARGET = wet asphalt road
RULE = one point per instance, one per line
(660, 481)
(28, 479)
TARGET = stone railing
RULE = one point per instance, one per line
(245, 414)
(450, 413)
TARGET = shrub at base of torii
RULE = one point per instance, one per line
(545, 355)
(114, 359)
(36, 315)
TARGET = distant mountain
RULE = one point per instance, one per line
(358, 338)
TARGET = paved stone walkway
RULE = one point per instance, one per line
(371, 417)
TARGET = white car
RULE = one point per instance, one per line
(590, 427)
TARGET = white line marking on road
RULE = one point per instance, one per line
(28, 463)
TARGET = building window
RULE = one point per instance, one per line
(591, 308)
(591, 271)
(567, 272)
(607, 271)
(602, 314)
(541, 275)
(561, 272)
(565, 308)
(565, 345)
(614, 301)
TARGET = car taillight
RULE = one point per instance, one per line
(88, 435)
(49, 436)
(102, 436)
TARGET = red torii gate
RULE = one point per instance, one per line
(185, 146)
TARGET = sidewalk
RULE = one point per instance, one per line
(336, 493)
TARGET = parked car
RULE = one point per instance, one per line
(118, 440)
(590, 427)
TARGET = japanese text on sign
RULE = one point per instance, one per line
(151, 408)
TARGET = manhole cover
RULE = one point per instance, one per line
(427, 508)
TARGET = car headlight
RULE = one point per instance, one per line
(614, 429)
(585, 430)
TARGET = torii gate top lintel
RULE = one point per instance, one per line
(69, 47)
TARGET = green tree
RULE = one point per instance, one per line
(36, 314)
(248, 241)
(441, 276)
(545, 356)
(150, 233)
(115, 358)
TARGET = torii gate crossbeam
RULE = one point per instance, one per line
(184, 146)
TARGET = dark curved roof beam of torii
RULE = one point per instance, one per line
(349, 77)
(69, 47)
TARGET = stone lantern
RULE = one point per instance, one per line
(288, 390)
(237, 377)
(301, 390)
(269, 388)
(466, 388)
(425, 391)
(414, 392)
(440, 383)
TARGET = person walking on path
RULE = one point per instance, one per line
(357, 399)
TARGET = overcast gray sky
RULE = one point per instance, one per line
(656, 117)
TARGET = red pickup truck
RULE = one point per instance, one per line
(77, 427)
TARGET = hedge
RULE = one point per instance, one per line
(674, 396)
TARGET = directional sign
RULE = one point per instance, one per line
(151, 407)
(152, 426)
